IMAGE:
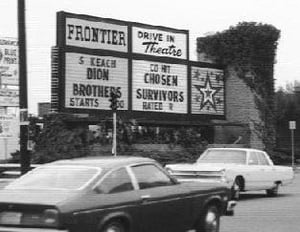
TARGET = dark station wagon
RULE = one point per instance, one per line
(110, 194)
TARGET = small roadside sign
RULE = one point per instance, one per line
(292, 125)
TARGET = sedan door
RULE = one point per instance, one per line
(165, 205)
(269, 174)
(114, 195)
(254, 173)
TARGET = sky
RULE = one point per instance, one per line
(198, 16)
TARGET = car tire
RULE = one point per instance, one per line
(236, 188)
(209, 220)
(114, 226)
(273, 192)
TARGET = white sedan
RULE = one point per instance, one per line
(241, 169)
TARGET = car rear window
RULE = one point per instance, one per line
(56, 177)
(223, 156)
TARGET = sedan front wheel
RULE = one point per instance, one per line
(237, 188)
(210, 220)
(114, 226)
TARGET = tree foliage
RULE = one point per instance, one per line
(59, 140)
(287, 108)
(249, 47)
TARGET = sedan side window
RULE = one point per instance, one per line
(149, 176)
(253, 160)
(262, 159)
(115, 182)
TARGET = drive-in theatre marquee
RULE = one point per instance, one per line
(147, 66)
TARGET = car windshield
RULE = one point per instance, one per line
(56, 177)
(223, 156)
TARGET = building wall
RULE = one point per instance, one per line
(241, 107)
(241, 112)
(232, 134)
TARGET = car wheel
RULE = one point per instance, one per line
(210, 220)
(236, 188)
(273, 192)
(114, 226)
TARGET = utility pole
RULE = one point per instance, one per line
(24, 156)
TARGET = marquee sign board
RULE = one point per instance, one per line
(90, 79)
(148, 66)
(159, 87)
(96, 35)
(207, 91)
(161, 43)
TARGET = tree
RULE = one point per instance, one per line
(61, 139)
(287, 108)
(287, 104)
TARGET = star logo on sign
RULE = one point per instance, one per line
(208, 94)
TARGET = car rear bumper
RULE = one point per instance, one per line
(17, 229)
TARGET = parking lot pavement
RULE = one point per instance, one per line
(257, 213)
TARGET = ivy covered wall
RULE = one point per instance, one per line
(248, 52)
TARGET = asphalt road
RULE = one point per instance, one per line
(257, 213)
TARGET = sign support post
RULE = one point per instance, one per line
(114, 106)
(114, 147)
(292, 126)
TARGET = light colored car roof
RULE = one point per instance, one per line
(234, 149)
